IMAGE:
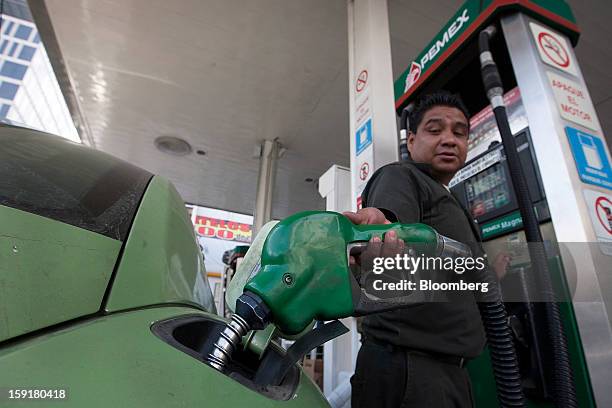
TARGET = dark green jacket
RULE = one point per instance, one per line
(406, 192)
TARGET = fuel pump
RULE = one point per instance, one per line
(563, 380)
(513, 65)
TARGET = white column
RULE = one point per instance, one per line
(340, 353)
(265, 183)
(374, 140)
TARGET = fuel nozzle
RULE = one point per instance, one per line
(304, 274)
(251, 314)
(449, 248)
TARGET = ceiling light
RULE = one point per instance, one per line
(173, 145)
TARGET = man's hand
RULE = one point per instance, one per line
(371, 215)
(368, 215)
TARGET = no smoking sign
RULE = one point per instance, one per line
(603, 209)
(600, 211)
(362, 80)
(553, 49)
(364, 171)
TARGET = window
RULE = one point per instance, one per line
(8, 90)
(41, 104)
(9, 28)
(13, 70)
(4, 110)
(95, 192)
(23, 32)
(13, 49)
(26, 53)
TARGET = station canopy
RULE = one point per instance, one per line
(225, 75)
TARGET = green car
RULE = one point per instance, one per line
(103, 295)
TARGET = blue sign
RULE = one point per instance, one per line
(363, 137)
(591, 159)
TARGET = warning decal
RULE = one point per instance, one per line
(600, 210)
(364, 170)
(553, 48)
(591, 158)
(362, 80)
(573, 101)
(603, 209)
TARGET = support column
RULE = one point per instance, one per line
(374, 143)
(373, 124)
(265, 183)
(339, 354)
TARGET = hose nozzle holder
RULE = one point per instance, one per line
(404, 129)
(491, 79)
(490, 30)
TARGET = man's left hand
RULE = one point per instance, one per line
(368, 215)
(373, 216)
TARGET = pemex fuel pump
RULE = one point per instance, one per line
(524, 185)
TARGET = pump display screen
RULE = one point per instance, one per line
(483, 127)
(488, 191)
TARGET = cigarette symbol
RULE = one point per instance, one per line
(553, 47)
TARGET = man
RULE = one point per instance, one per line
(415, 357)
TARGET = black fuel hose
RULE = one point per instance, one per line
(563, 392)
(501, 347)
(495, 321)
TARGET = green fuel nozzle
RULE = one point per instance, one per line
(304, 274)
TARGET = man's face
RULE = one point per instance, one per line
(441, 140)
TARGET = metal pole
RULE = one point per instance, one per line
(265, 183)
(373, 143)
(373, 125)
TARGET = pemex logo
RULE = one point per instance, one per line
(413, 75)
(436, 47)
